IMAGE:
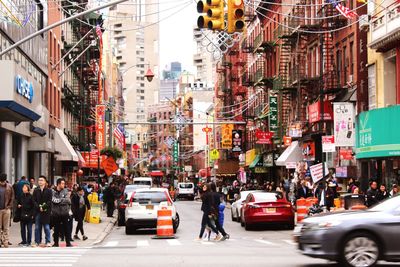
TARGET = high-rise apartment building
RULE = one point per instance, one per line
(203, 60)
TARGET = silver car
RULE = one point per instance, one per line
(353, 238)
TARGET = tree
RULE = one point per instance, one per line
(112, 151)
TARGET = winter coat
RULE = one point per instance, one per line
(61, 203)
(43, 197)
(79, 213)
(110, 195)
(27, 209)
(9, 196)
(382, 195)
(372, 197)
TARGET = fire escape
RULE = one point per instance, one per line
(80, 91)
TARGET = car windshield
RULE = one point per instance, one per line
(387, 205)
(149, 197)
(267, 197)
(187, 186)
(148, 183)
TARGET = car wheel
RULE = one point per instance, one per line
(360, 249)
(233, 218)
(129, 230)
(247, 226)
(290, 226)
(238, 216)
(176, 223)
(242, 223)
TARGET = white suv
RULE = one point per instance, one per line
(185, 190)
(142, 208)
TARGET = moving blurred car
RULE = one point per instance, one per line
(266, 208)
(123, 201)
(142, 208)
(185, 190)
(353, 238)
(237, 205)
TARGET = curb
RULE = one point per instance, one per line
(106, 232)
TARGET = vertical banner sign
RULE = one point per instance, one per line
(100, 126)
(237, 140)
(226, 142)
(273, 113)
(328, 144)
(343, 113)
(175, 153)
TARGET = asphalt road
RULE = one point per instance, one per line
(261, 247)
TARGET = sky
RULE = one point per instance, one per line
(176, 32)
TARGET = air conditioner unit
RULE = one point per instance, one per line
(363, 22)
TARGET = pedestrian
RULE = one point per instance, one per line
(215, 202)
(394, 191)
(207, 213)
(6, 204)
(372, 193)
(32, 183)
(26, 210)
(331, 194)
(109, 198)
(382, 193)
(23, 181)
(303, 191)
(221, 209)
(42, 202)
(61, 205)
(80, 204)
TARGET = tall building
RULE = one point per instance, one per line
(135, 35)
(202, 60)
(167, 89)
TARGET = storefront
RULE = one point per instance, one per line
(378, 145)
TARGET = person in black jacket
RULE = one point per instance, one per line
(206, 207)
(216, 200)
(42, 203)
(303, 191)
(61, 205)
(372, 194)
(109, 197)
(79, 205)
(25, 207)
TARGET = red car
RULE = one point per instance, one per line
(266, 208)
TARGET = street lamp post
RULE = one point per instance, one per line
(149, 74)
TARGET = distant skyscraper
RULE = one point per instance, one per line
(167, 89)
(172, 72)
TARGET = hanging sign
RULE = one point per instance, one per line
(273, 113)
(214, 154)
(237, 140)
(344, 123)
(226, 141)
(100, 126)
(328, 143)
(264, 137)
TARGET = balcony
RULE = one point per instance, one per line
(247, 79)
(385, 30)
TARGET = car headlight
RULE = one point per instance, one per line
(325, 225)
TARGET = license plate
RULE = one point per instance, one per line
(149, 207)
(270, 210)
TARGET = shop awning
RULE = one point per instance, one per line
(81, 160)
(290, 155)
(227, 167)
(255, 161)
(156, 173)
(12, 111)
(64, 150)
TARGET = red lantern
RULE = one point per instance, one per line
(80, 172)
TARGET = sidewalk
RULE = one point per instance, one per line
(95, 232)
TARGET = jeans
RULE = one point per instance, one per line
(5, 215)
(38, 231)
(79, 227)
(61, 224)
(110, 209)
(26, 228)
(206, 221)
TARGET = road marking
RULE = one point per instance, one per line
(34, 265)
(290, 242)
(264, 242)
(111, 244)
(207, 243)
(142, 243)
(174, 242)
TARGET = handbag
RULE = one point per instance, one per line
(26, 216)
(17, 215)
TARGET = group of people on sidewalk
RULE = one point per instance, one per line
(43, 206)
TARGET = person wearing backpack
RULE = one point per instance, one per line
(60, 207)
(25, 208)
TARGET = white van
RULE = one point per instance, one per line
(185, 190)
(143, 182)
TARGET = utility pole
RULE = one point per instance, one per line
(58, 23)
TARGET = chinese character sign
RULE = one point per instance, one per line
(226, 142)
(344, 123)
(237, 140)
(175, 153)
(100, 126)
(273, 113)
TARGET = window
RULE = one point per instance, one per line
(351, 59)
(39, 17)
(371, 87)
(345, 62)
(339, 65)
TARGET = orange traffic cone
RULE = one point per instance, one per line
(165, 228)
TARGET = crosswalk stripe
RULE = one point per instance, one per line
(2, 260)
(142, 243)
(264, 242)
(111, 244)
(174, 242)
(290, 242)
(35, 265)
(207, 243)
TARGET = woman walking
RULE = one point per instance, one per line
(25, 207)
(206, 207)
(79, 205)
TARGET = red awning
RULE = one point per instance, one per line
(156, 173)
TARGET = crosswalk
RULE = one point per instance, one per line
(147, 243)
(40, 257)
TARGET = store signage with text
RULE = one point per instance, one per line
(314, 112)
(346, 154)
(287, 140)
(317, 173)
(264, 137)
(100, 126)
(273, 113)
(24, 88)
(344, 123)
(268, 160)
(328, 143)
(226, 142)
(237, 140)
(308, 150)
(295, 130)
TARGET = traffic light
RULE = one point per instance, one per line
(216, 13)
(202, 21)
(235, 16)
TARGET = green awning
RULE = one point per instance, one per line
(255, 161)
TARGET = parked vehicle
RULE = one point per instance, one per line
(141, 211)
(237, 205)
(143, 181)
(185, 190)
(267, 208)
(123, 201)
(353, 238)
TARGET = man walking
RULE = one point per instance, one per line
(109, 198)
(61, 205)
(6, 204)
(42, 203)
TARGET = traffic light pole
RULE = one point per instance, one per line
(58, 23)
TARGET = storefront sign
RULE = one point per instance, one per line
(317, 172)
(308, 150)
(260, 170)
(268, 160)
(343, 123)
(91, 159)
(295, 130)
(346, 172)
(328, 143)
(24, 88)
(346, 154)
(175, 153)
(100, 126)
(314, 112)
(237, 140)
(378, 133)
(290, 165)
(287, 140)
(226, 140)
(264, 137)
(273, 113)
(250, 156)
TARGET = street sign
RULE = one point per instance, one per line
(175, 153)
(180, 121)
(214, 154)
(273, 113)
(328, 143)
(169, 141)
(264, 137)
